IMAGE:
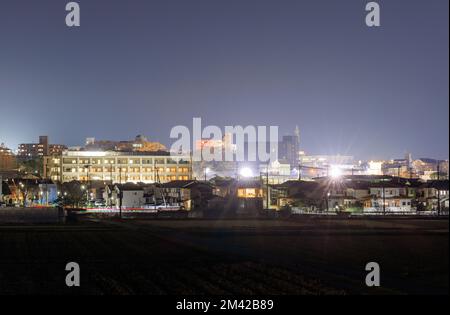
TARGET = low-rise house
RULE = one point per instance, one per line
(5, 193)
(299, 196)
(389, 197)
(354, 193)
(249, 196)
(433, 193)
(125, 195)
(188, 194)
(223, 187)
(241, 198)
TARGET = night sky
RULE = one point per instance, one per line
(142, 67)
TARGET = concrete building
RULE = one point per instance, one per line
(276, 172)
(7, 159)
(139, 144)
(289, 148)
(312, 166)
(40, 149)
(117, 167)
(427, 169)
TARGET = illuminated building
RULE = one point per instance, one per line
(117, 167)
(289, 148)
(374, 168)
(427, 169)
(276, 172)
(208, 170)
(250, 197)
(41, 149)
(139, 144)
(324, 165)
(7, 159)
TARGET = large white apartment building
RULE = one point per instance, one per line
(117, 167)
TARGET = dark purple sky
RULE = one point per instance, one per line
(141, 67)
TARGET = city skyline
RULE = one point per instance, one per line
(83, 143)
(224, 155)
(146, 67)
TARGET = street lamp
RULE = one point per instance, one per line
(328, 201)
(207, 170)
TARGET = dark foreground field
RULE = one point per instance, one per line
(305, 256)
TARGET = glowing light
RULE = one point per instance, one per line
(246, 172)
(335, 172)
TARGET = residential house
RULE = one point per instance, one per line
(188, 194)
(433, 193)
(389, 197)
(127, 196)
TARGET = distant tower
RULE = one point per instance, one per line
(297, 133)
(409, 159)
(290, 148)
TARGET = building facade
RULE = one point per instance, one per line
(289, 148)
(41, 149)
(7, 159)
(312, 166)
(117, 167)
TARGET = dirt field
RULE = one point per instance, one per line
(305, 256)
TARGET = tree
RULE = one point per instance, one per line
(73, 193)
(32, 166)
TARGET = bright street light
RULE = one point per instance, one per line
(246, 172)
(335, 172)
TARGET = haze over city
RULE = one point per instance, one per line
(144, 67)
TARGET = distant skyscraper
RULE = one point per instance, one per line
(289, 148)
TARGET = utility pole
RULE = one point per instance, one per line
(328, 197)
(120, 202)
(267, 184)
(384, 197)
(87, 184)
(111, 174)
(438, 190)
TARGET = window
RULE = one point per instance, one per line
(249, 193)
(171, 161)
